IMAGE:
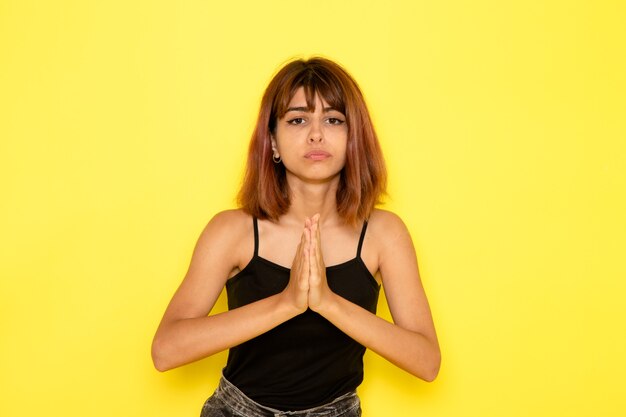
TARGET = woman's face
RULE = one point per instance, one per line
(312, 145)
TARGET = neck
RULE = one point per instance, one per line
(308, 199)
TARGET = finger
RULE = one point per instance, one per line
(307, 233)
(307, 255)
(297, 260)
(314, 262)
(300, 266)
(313, 242)
(307, 240)
(317, 228)
(318, 246)
(314, 224)
(303, 274)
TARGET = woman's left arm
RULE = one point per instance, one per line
(410, 342)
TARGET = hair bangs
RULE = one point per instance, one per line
(315, 83)
(327, 87)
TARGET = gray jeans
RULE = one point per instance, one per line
(229, 401)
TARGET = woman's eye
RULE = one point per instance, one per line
(335, 121)
(296, 121)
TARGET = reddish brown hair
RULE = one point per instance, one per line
(363, 180)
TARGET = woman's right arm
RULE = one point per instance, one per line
(186, 332)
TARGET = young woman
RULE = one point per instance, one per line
(302, 261)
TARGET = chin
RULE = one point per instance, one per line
(317, 178)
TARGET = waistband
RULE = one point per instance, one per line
(238, 401)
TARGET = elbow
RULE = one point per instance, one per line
(431, 375)
(432, 370)
(159, 356)
(428, 368)
(160, 365)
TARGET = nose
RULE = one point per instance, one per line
(315, 135)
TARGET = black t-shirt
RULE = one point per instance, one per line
(306, 361)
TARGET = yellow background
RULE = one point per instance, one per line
(124, 126)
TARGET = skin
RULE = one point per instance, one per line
(308, 237)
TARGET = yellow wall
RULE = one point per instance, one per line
(123, 129)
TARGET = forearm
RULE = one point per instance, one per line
(409, 350)
(186, 340)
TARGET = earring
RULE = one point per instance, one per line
(276, 159)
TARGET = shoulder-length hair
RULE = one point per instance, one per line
(363, 180)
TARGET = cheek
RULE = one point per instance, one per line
(284, 147)
(343, 147)
(287, 138)
(344, 159)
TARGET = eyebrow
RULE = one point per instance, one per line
(305, 109)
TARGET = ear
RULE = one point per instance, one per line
(274, 144)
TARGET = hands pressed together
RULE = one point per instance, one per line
(307, 286)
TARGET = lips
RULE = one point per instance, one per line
(317, 155)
